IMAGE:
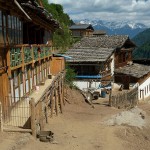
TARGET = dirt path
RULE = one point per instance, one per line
(80, 128)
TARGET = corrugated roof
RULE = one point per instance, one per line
(89, 54)
(135, 70)
(81, 26)
(106, 41)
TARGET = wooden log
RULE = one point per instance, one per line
(1, 118)
(18, 130)
(33, 122)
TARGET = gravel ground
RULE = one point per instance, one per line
(134, 117)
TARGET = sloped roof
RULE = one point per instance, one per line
(135, 70)
(99, 32)
(89, 54)
(105, 41)
(34, 7)
(81, 26)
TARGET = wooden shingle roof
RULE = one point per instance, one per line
(134, 70)
(89, 54)
(38, 11)
(106, 41)
(81, 26)
(99, 32)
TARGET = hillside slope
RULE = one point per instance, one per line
(142, 40)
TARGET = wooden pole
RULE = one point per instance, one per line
(60, 98)
(52, 102)
(56, 100)
(62, 87)
(33, 123)
(41, 116)
(1, 118)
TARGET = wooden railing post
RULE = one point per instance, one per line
(8, 62)
(1, 118)
(33, 122)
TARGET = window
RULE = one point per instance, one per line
(120, 58)
(15, 28)
(124, 57)
(15, 76)
(21, 76)
(76, 33)
(47, 37)
(140, 93)
(12, 26)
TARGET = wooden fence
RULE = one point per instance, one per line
(33, 114)
(125, 100)
(50, 104)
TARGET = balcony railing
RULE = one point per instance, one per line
(28, 53)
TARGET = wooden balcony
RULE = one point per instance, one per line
(27, 54)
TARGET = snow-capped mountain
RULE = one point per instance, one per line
(115, 27)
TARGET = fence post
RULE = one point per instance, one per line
(52, 102)
(41, 116)
(60, 97)
(62, 88)
(1, 118)
(56, 100)
(33, 123)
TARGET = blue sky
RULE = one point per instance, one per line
(132, 10)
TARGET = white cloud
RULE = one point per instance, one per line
(133, 10)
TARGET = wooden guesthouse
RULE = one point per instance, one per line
(26, 30)
(134, 75)
(96, 58)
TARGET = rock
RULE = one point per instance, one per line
(74, 136)
(54, 142)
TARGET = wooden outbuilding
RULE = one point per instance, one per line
(133, 75)
(99, 33)
(81, 30)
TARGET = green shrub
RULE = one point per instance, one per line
(70, 76)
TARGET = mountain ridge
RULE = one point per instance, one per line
(115, 27)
